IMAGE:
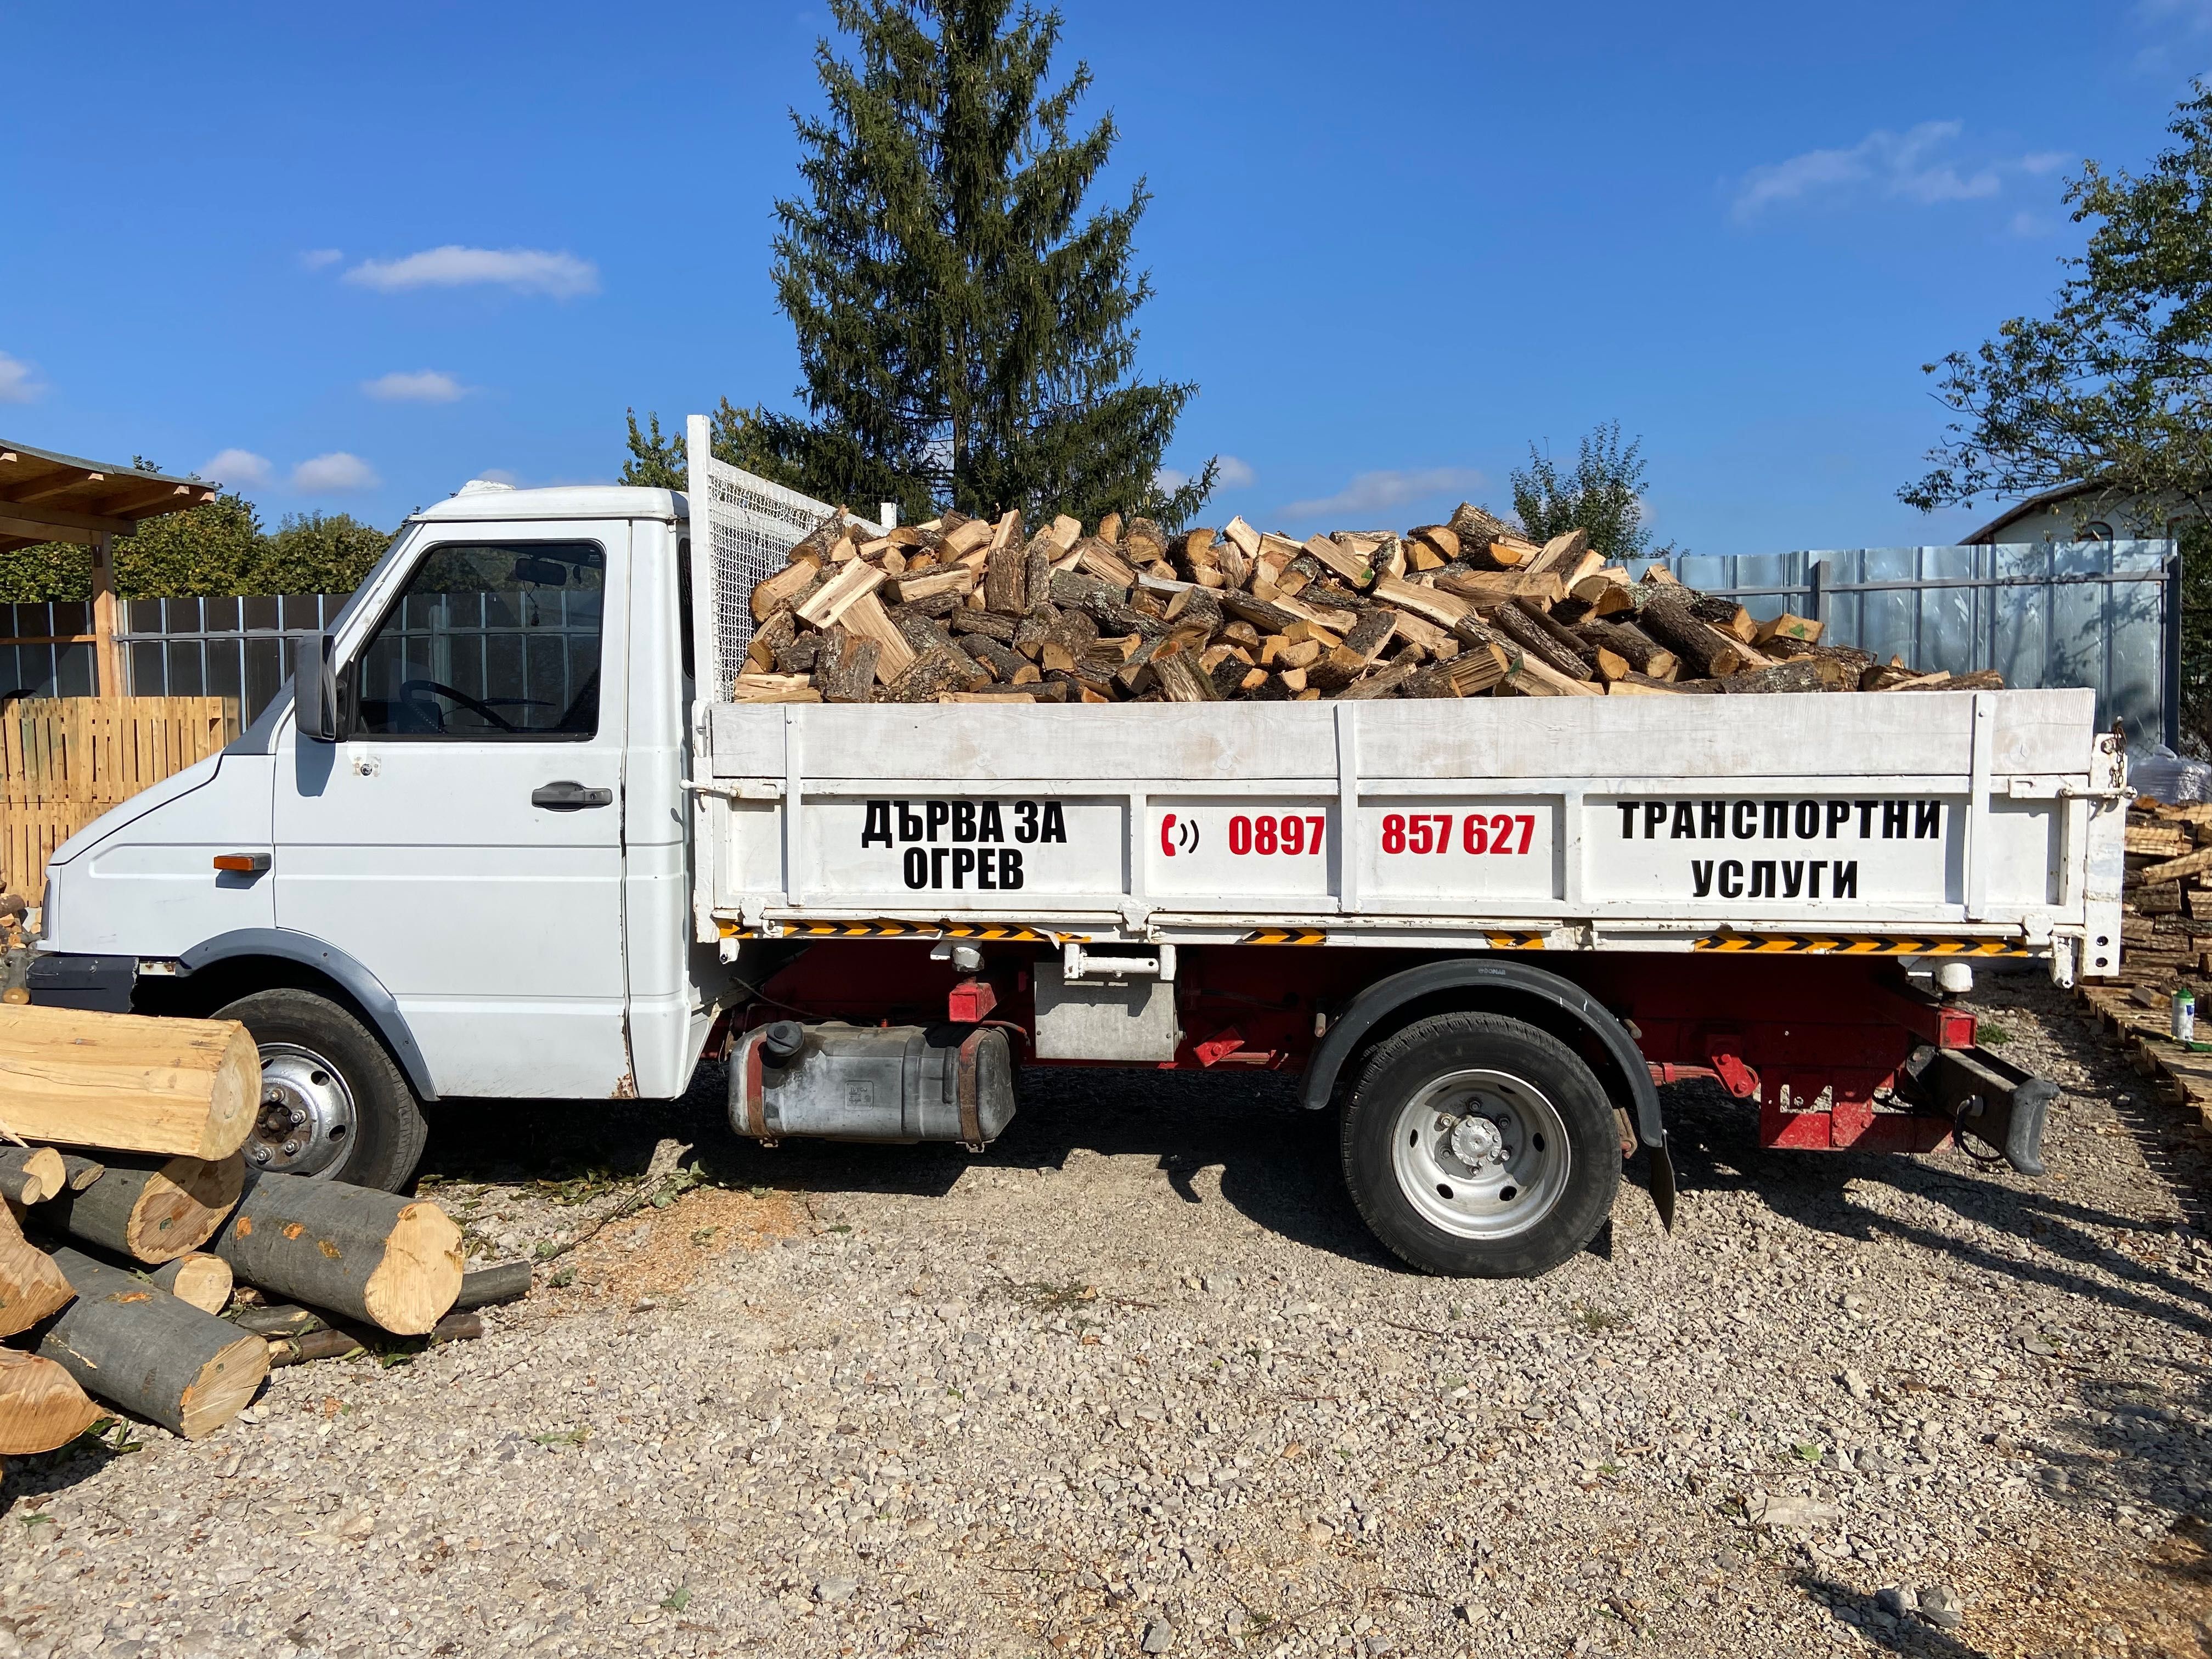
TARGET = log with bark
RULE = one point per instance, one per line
(394, 1262)
(200, 1279)
(128, 1083)
(152, 1210)
(136, 1345)
(32, 1175)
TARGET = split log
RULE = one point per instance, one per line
(1534, 677)
(1439, 606)
(32, 1175)
(959, 582)
(1729, 617)
(394, 1262)
(1345, 562)
(1635, 685)
(1007, 578)
(772, 688)
(31, 1287)
(1787, 626)
(1604, 595)
(145, 1351)
(1182, 680)
(894, 655)
(1559, 552)
(784, 587)
(509, 1281)
(831, 601)
(198, 1280)
(1568, 644)
(1382, 683)
(1665, 618)
(1488, 589)
(1514, 623)
(1637, 649)
(1806, 674)
(846, 670)
(154, 1210)
(42, 1408)
(170, 1086)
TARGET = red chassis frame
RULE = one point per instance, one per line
(1813, 1039)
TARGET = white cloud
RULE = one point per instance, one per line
(1909, 167)
(19, 381)
(1379, 492)
(1166, 478)
(333, 473)
(238, 467)
(1235, 474)
(525, 269)
(427, 386)
(315, 259)
(2029, 224)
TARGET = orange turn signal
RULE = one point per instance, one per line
(250, 863)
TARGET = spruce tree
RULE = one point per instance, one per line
(966, 334)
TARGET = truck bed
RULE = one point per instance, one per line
(1983, 823)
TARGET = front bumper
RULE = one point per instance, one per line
(61, 979)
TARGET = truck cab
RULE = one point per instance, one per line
(466, 875)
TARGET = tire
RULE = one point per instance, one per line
(354, 1118)
(1476, 1146)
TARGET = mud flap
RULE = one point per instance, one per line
(1989, 1099)
(1662, 1184)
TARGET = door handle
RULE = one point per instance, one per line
(567, 795)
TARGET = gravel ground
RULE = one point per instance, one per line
(1137, 1381)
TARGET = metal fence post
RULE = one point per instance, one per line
(2171, 679)
(1816, 589)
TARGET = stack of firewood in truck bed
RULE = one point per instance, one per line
(151, 1267)
(977, 611)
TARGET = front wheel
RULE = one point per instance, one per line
(334, 1104)
(1480, 1147)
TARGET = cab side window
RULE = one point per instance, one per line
(489, 642)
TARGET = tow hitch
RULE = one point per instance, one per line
(1985, 1097)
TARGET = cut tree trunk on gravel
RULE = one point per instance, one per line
(394, 1262)
(42, 1408)
(141, 1348)
(153, 1210)
(173, 1087)
(32, 1287)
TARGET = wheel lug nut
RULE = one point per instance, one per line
(260, 1154)
(298, 1116)
(291, 1148)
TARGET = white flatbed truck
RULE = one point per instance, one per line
(508, 841)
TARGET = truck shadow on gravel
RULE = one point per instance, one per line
(2131, 1443)
(1277, 1163)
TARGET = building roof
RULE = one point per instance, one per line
(477, 501)
(2035, 503)
(46, 497)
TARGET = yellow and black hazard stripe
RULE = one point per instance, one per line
(1516, 941)
(1830, 944)
(984, 931)
(1285, 936)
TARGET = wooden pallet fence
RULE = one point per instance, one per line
(64, 761)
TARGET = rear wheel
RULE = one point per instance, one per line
(1478, 1146)
(334, 1104)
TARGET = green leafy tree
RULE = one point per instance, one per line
(319, 554)
(965, 332)
(1603, 494)
(2109, 387)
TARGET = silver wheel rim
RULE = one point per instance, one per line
(1481, 1154)
(308, 1121)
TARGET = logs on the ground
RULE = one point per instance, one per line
(135, 1345)
(41, 1406)
(964, 609)
(153, 1210)
(173, 1087)
(394, 1262)
(331, 1342)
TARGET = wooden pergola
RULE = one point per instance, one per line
(46, 497)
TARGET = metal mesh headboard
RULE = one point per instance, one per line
(741, 529)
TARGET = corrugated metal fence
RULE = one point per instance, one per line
(2100, 614)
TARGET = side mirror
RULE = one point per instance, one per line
(314, 689)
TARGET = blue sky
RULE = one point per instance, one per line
(346, 258)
